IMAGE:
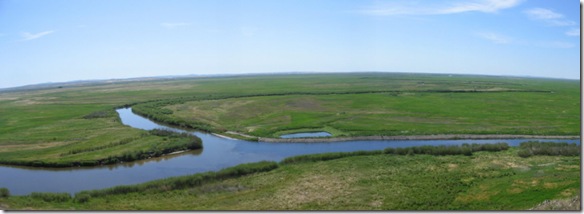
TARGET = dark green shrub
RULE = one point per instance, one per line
(530, 148)
(4, 193)
(464, 149)
(82, 197)
(327, 156)
(51, 197)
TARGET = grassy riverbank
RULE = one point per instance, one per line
(499, 180)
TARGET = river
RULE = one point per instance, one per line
(217, 153)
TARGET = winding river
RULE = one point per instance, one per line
(217, 153)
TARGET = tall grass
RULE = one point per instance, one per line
(51, 197)
(531, 148)
(464, 149)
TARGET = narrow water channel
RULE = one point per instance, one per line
(217, 153)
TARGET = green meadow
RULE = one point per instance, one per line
(78, 126)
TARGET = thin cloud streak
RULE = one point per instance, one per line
(494, 37)
(549, 17)
(573, 32)
(485, 6)
(26, 36)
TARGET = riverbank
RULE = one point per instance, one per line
(486, 180)
(241, 136)
(413, 137)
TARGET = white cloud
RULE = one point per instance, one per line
(549, 17)
(573, 32)
(174, 25)
(409, 8)
(495, 38)
(29, 36)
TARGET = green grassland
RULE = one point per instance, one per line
(389, 114)
(46, 125)
(370, 181)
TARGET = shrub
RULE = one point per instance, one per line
(51, 197)
(531, 148)
(4, 193)
(464, 149)
(82, 197)
(326, 156)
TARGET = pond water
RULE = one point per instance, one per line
(306, 134)
(217, 153)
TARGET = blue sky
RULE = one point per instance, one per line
(65, 40)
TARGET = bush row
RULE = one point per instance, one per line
(531, 148)
(464, 149)
(182, 182)
(327, 156)
(51, 197)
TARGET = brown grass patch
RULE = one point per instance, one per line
(318, 189)
(452, 166)
(515, 190)
(569, 192)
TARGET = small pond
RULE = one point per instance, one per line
(306, 134)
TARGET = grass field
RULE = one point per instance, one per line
(389, 114)
(66, 125)
(484, 181)
(42, 125)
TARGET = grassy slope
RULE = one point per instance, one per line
(484, 181)
(46, 123)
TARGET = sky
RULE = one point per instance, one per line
(66, 40)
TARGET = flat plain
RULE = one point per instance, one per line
(66, 125)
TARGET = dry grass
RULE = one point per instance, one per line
(560, 204)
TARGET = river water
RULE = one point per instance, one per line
(217, 153)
